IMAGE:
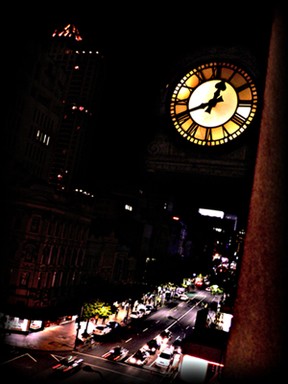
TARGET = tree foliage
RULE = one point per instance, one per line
(96, 308)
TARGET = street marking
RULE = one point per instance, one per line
(18, 357)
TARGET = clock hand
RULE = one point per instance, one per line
(200, 106)
(212, 103)
(221, 86)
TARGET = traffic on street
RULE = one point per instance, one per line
(94, 362)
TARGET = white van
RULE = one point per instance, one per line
(193, 370)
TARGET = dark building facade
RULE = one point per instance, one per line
(52, 256)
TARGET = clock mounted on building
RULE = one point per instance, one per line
(214, 103)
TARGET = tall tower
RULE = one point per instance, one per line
(83, 70)
(52, 103)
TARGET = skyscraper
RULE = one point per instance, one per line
(52, 102)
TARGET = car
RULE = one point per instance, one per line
(114, 325)
(136, 314)
(165, 358)
(101, 330)
(164, 337)
(140, 307)
(184, 297)
(116, 353)
(177, 345)
(139, 358)
(143, 311)
(68, 364)
(152, 346)
(149, 308)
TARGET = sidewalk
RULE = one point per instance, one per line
(56, 337)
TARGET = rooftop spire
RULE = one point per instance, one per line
(69, 31)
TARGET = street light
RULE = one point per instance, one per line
(78, 320)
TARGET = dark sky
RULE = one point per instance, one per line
(149, 36)
(144, 44)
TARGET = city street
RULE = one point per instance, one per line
(40, 350)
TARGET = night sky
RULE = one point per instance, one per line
(143, 45)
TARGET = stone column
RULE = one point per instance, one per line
(257, 344)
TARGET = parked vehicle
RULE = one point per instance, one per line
(149, 308)
(184, 297)
(143, 311)
(101, 330)
(114, 325)
(136, 314)
(68, 364)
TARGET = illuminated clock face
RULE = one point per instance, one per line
(213, 104)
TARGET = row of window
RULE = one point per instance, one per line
(59, 229)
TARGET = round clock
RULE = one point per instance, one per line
(214, 103)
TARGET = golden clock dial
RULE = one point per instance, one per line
(214, 103)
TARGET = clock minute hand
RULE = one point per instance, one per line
(200, 106)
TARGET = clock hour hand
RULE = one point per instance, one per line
(212, 103)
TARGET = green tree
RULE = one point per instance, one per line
(102, 309)
(95, 309)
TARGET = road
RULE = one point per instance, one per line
(179, 317)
